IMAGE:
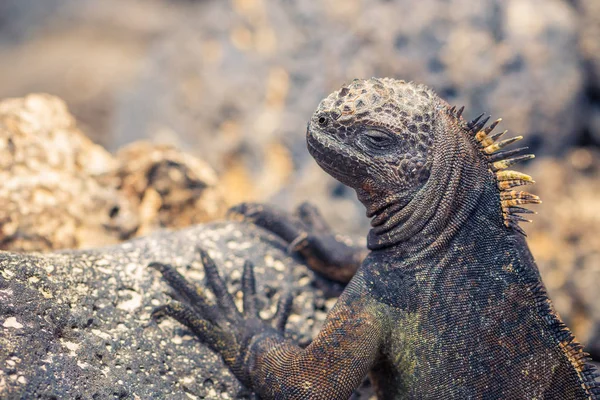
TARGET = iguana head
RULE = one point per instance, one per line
(412, 159)
(376, 134)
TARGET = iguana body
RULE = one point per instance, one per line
(449, 302)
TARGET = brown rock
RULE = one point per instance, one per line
(60, 190)
(50, 196)
(167, 187)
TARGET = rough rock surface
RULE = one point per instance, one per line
(49, 197)
(168, 188)
(76, 324)
(59, 190)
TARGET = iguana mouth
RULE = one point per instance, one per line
(316, 151)
(331, 155)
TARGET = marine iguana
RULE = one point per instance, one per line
(448, 303)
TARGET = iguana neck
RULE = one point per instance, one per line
(459, 186)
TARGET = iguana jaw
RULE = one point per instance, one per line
(334, 157)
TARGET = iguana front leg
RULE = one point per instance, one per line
(331, 367)
(308, 234)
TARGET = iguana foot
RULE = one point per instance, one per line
(222, 326)
(308, 234)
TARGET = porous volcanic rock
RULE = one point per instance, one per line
(76, 324)
(50, 196)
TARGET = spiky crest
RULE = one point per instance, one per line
(499, 162)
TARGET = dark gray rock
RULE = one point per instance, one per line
(76, 324)
(21, 19)
(589, 44)
(589, 38)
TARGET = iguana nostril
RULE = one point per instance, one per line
(322, 121)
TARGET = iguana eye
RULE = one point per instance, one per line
(377, 139)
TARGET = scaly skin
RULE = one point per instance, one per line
(448, 303)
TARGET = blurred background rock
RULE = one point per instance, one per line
(234, 82)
